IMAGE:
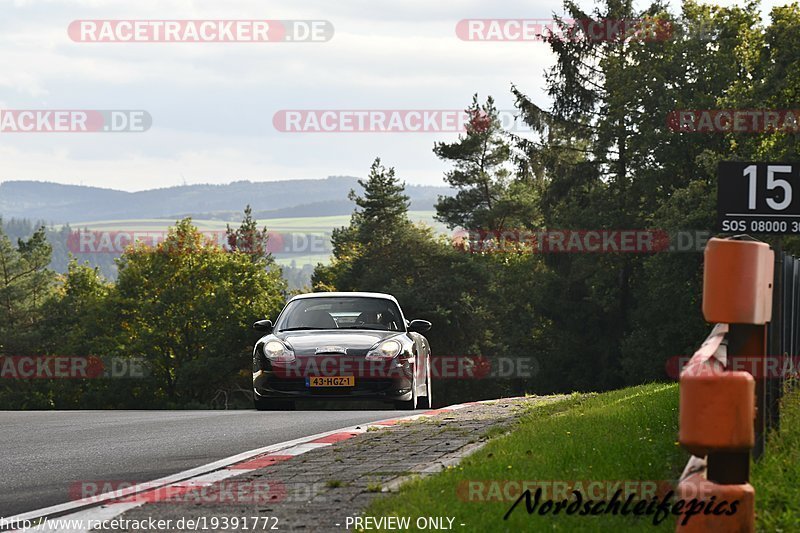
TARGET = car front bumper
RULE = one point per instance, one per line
(391, 380)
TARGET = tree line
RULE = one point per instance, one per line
(602, 156)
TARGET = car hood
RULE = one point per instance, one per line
(356, 342)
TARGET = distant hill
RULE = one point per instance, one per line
(58, 204)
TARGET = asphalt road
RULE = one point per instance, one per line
(44, 453)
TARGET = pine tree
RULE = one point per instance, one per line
(480, 158)
(248, 238)
(381, 215)
(384, 205)
(25, 284)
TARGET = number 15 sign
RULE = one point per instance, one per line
(758, 197)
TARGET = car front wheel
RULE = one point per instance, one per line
(412, 403)
(428, 398)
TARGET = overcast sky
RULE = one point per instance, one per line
(212, 104)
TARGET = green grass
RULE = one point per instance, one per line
(629, 434)
(776, 476)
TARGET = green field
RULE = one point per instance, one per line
(629, 434)
(310, 224)
(312, 227)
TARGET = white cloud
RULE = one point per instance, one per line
(212, 104)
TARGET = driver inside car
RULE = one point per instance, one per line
(383, 318)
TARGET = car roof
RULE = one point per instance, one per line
(345, 295)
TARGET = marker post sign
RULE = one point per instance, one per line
(758, 198)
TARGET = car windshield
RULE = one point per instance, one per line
(340, 313)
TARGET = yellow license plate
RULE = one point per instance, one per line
(332, 381)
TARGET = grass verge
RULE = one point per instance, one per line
(776, 477)
(629, 434)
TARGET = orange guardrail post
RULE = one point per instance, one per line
(718, 406)
(717, 410)
(697, 486)
(737, 281)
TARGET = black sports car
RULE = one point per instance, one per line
(342, 345)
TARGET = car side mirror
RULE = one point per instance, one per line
(419, 326)
(263, 325)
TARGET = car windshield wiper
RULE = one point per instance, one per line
(300, 328)
(364, 327)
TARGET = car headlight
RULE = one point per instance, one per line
(385, 350)
(277, 351)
